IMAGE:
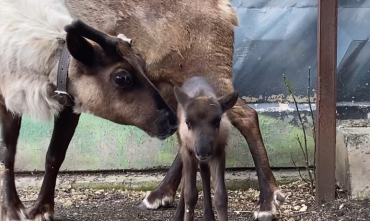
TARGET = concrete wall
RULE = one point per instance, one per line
(275, 38)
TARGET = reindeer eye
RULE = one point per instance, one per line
(123, 79)
(188, 124)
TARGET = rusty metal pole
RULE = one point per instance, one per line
(326, 100)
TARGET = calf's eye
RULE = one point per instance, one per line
(216, 123)
(188, 124)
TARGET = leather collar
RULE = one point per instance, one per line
(62, 95)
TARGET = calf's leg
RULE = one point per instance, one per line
(13, 208)
(205, 174)
(217, 167)
(64, 128)
(190, 187)
(245, 119)
(180, 210)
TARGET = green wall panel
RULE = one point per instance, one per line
(102, 145)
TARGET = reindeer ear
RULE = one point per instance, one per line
(181, 96)
(107, 43)
(228, 101)
(80, 48)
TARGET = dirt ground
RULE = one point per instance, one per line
(104, 205)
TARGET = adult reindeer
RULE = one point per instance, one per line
(178, 39)
(105, 78)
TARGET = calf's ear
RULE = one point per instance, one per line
(181, 96)
(228, 101)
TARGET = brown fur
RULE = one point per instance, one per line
(203, 132)
(102, 101)
(188, 138)
(177, 39)
(181, 39)
(96, 60)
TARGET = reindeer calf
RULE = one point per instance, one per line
(203, 133)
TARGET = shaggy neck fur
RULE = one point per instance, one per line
(32, 34)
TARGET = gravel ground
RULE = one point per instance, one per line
(104, 205)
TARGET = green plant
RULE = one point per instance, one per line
(311, 171)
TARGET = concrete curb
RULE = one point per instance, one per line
(352, 160)
(145, 181)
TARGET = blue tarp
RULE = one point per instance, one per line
(277, 38)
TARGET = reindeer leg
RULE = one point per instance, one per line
(245, 119)
(208, 214)
(64, 128)
(165, 193)
(217, 167)
(190, 187)
(13, 208)
(180, 210)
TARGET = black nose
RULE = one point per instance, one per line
(170, 116)
(204, 155)
(168, 123)
(173, 122)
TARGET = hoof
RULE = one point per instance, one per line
(270, 215)
(155, 200)
(13, 214)
(264, 216)
(44, 217)
(41, 213)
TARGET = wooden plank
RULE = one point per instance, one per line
(326, 100)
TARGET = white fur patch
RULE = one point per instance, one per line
(228, 11)
(279, 197)
(158, 202)
(21, 214)
(167, 200)
(155, 205)
(270, 215)
(32, 32)
(263, 216)
(44, 217)
(124, 38)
